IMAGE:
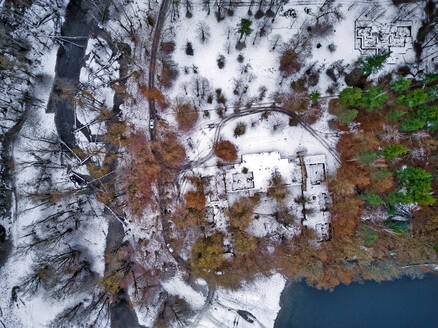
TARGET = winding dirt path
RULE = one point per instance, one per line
(256, 110)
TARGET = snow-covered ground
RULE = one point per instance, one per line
(260, 297)
(39, 310)
(249, 75)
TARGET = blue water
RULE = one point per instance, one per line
(401, 303)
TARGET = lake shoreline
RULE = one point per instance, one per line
(399, 302)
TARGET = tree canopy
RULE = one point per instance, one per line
(400, 85)
(350, 96)
(423, 116)
(244, 27)
(373, 98)
(372, 64)
(366, 156)
(372, 198)
(413, 98)
(416, 186)
(346, 116)
(392, 151)
(208, 254)
(225, 150)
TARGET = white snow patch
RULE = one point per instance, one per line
(177, 286)
(260, 297)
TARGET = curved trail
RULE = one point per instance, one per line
(256, 110)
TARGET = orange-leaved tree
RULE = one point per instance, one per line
(195, 200)
(186, 116)
(225, 150)
(169, 151)
(141, 174)
(155, 95)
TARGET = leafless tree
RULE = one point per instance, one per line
(88, 312)
(203, 32)
(206, 6)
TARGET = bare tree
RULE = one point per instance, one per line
(206, 6)
(204, 32)
(92, 312)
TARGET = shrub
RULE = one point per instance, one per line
(189, 49)
(169, 73)
(186, 116)
(366, 156)
(293, 121)
(332, 47)
(167, 47)
(241, 213)
(398, 226)
(421, 117)
(244, 27)
(289, 62)
(355, 78)
(413, 98)
(240, 129)
(220, 97)
(347, 116)
(412, 124)
(277, 189)
(225, 150)
(368, 235)
(311, 115)
(314, 96)
(221, 61)
(372, 198)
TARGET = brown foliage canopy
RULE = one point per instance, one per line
(168, 74)
(426, 222)
(195, 200)
(188, 217)
(116, 134)
(155, 95)
(225, 150)
(289, 62)
(277, 189)
(350, 144)
(186, 116)
(241, 212)
(345, 213)
(169, 151)
(142, 173)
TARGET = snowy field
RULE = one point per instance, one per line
(242, 76)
